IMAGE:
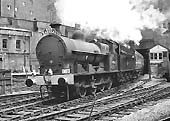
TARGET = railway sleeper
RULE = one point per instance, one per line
(137, 107)
(12, 117)
(124, 113)
(117, 115)
(17, 102)
(24, 114)
(65, 119)
(20, 108)
(94, 110)
(100, 108)
(150, 104)
(5, 112)
(77, 115)
(84, 112)
(4, 106)
(46, 110)
(108, 118)
(131, 110)
(4, 119)
(34, 112)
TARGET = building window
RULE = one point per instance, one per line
(24, 4)
(155, 56)
(16, 9)
(9, 7)
(31, 12)
(18, 44)
(160, 56)
(4, 43)
(164, 54)
(151, 55)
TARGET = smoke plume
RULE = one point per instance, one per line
(115, 19)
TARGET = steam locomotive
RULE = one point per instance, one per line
(76, 67)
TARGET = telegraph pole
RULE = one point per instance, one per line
(149, 64)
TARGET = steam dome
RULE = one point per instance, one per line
(78, 35)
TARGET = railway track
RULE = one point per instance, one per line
(38, 111)
(12, 100)
(99, 108)
(133, 105)
(165, 119)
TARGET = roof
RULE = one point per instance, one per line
(160, 45)
(146, 50)
(15, 29)
(143, 51)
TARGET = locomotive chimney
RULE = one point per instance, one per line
(35, 26)
(56, 26)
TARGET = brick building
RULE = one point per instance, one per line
(42, 10)
(26, 20)
(21, 25)
(14, 48)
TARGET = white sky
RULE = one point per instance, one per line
(120, 19)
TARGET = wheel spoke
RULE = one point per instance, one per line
(109, 83)
(102, 86)
(93, 90)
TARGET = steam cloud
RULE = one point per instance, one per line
(115, 19)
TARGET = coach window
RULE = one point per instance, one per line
(151, 55)
(160, 56)
(4, 43)
(18, 44)
(155, 56)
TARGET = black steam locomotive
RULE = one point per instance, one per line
(76, 67)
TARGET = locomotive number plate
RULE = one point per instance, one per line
(66, 71)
